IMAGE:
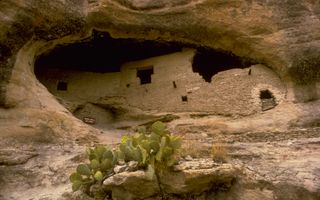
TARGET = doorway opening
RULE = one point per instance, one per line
(268, 101)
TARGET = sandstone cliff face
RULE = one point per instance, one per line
(23, 20)
(282, 35)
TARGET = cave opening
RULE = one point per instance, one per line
(93, 71)
(101, 53)
(84, 74)
(208, 62)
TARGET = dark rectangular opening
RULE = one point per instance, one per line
(144, 74)
(268, 101)
(184, 98)
(174, 84)
(62, 86)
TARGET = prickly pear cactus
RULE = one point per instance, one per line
(156, 149)
(153, 152)
(102, 161)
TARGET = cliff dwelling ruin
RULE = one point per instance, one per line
(237, 81)
(102, 78)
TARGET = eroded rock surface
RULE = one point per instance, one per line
(267, 165)
(131, 185)
(190, 177)
(273, 165)
(272, 33)
(282, 35)
(279, 159)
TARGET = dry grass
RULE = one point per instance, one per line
(194, 148)
(219, 153)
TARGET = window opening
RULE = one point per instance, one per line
(184, 98)
(174, 84)
(144, 75)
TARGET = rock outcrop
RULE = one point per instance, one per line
(188, 178)
(282, 35)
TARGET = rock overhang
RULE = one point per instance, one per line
(256, 30)
(281, 34)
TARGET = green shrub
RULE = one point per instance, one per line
(154, 152)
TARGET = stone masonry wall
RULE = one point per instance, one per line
(174, 86)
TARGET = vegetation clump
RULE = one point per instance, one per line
(219, 153)
(155, 151)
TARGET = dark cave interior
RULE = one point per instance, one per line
(208, 62)
(101, 53)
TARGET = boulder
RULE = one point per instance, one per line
(190, 177)
(198, 176)
(15, 157)
(131, 185)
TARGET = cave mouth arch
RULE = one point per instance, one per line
(105, 57)
(102, 53)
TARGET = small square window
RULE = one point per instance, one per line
(62, 86)
(184, 98)
(144, 75)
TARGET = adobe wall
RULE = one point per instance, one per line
(161, 94)
(231, 92)
(82, 86)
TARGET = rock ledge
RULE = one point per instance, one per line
(189, 177)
